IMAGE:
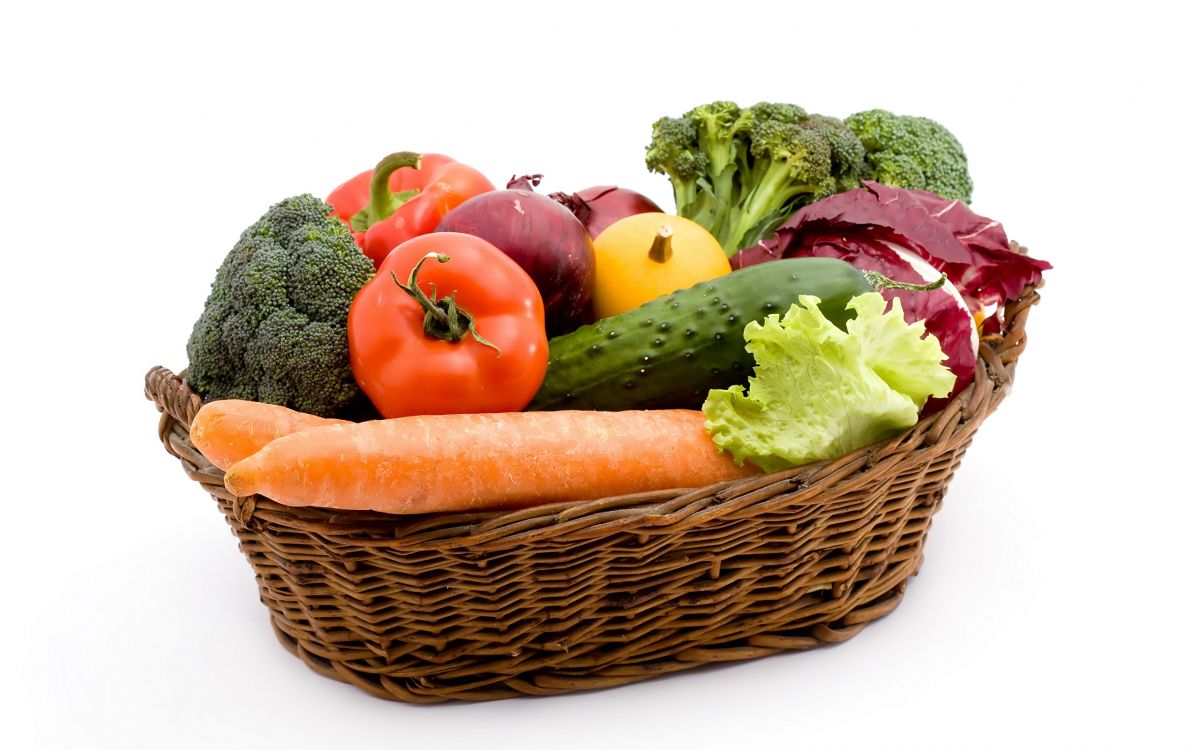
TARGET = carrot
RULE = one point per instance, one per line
(453, 462)
(228, 430)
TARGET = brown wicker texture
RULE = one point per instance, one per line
(569, 597)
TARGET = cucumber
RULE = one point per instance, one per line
(669, 352)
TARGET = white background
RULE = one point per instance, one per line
(1056, 607)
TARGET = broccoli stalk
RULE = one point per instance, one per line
(914, 153)
(274, 325)
(740, 172)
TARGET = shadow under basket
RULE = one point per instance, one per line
(576, 596)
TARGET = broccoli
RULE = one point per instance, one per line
(913, 152)
(740, 172)
(673, 151)
(274, 325)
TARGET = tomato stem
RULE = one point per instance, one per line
(444, 319)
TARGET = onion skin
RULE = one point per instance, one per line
(598, 207)
(545, 239)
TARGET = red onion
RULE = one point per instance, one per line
(544, 238)
(597, 207)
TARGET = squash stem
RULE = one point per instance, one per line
(660, 249)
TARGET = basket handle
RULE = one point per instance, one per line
(179, 404)
(171, 394)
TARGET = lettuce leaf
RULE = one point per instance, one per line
(819, 392)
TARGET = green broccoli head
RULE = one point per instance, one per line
(799, 158)
(738, 172)
(912, 152)
(274, 325)
(847, 155)
(776, 112)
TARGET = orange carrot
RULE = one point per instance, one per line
(454, 462)
(227, 431)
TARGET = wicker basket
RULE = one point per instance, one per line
(571, 597)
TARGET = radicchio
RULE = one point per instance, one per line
(972, 250)
(901, 234)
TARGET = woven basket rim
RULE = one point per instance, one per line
(994, 370)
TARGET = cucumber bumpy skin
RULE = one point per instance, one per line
(669, 352)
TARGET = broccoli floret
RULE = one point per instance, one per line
(674, 150)
(848, 166)
(720, 149)
(757, 119)
(740, 172)
(716, 125)
(274, 325)
(775, 112)
(915, 153)
(787, 162)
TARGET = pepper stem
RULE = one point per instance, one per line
(383, 201)
(881, 282)
(444, 319)
(660, 248)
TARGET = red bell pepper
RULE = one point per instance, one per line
(405, 196)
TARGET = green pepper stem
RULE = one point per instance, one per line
(660, 248)
(881, 282)
(444, 318)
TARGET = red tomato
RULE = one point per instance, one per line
(410, 357)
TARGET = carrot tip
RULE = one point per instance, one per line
(235, 483)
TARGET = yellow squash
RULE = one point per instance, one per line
(645, 256)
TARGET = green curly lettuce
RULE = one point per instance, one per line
(819, 392)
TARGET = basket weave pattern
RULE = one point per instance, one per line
(568, 597)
